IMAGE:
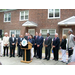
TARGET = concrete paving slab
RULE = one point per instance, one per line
(16, 61)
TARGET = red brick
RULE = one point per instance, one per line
(39, 16)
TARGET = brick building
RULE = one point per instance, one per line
(19, 21)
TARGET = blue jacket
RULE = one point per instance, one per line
(56, 43)
(36, 39)
(19, 40)
(40, 41)
(32, 41)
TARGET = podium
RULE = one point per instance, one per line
(27, 55)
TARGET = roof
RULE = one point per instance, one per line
(68, 21)
(4, 10)
(29, 24)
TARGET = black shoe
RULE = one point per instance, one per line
(47, 58)
(56, 60)
(34, 55)
(10, 56)
(4, 55)
(40, 58)
(44, 58)
(13, 56)
(37, 57)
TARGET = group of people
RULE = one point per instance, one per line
(37, 44)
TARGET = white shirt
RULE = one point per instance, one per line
(13, 38)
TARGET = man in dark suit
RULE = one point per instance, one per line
(56, 44)
(12, 41)
(48, 42)
(35, 45)
(20, 51)
(39, 46)
(26, 36)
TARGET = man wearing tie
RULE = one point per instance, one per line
(20, 51)
(12, 41)
(39, 46)
(35, 45)
(26, 36)
(48, 42)
(56, 44)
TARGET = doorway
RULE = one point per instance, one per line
(31, 31)
(65, 31)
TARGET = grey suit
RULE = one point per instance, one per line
(70, 41)
(48, 42)
(71, 44)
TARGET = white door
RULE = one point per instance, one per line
(65, 31)
(31, 31)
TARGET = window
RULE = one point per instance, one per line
(45, 31)
(52, 33)
(24, 15)
(16, 32)
(7, 17)
(53, 13)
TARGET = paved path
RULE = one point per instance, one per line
(16, 61)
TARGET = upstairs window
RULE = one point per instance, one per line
(7, 17)
(53, 13)
(24, 15)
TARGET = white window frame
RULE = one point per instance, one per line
(14, 32)
(65, 29)
(24, 16)
(30, 30)
(47, 30)
(7, 17)
(53, 15)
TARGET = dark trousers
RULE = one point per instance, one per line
(70, 52)
(47, 52)
(55, 53)
(35, 50)
(20, 51)
(5, 48)
(12, 49)
(39, 52)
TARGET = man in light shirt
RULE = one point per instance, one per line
(6, 43)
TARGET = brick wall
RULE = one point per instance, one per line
(39, 16)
